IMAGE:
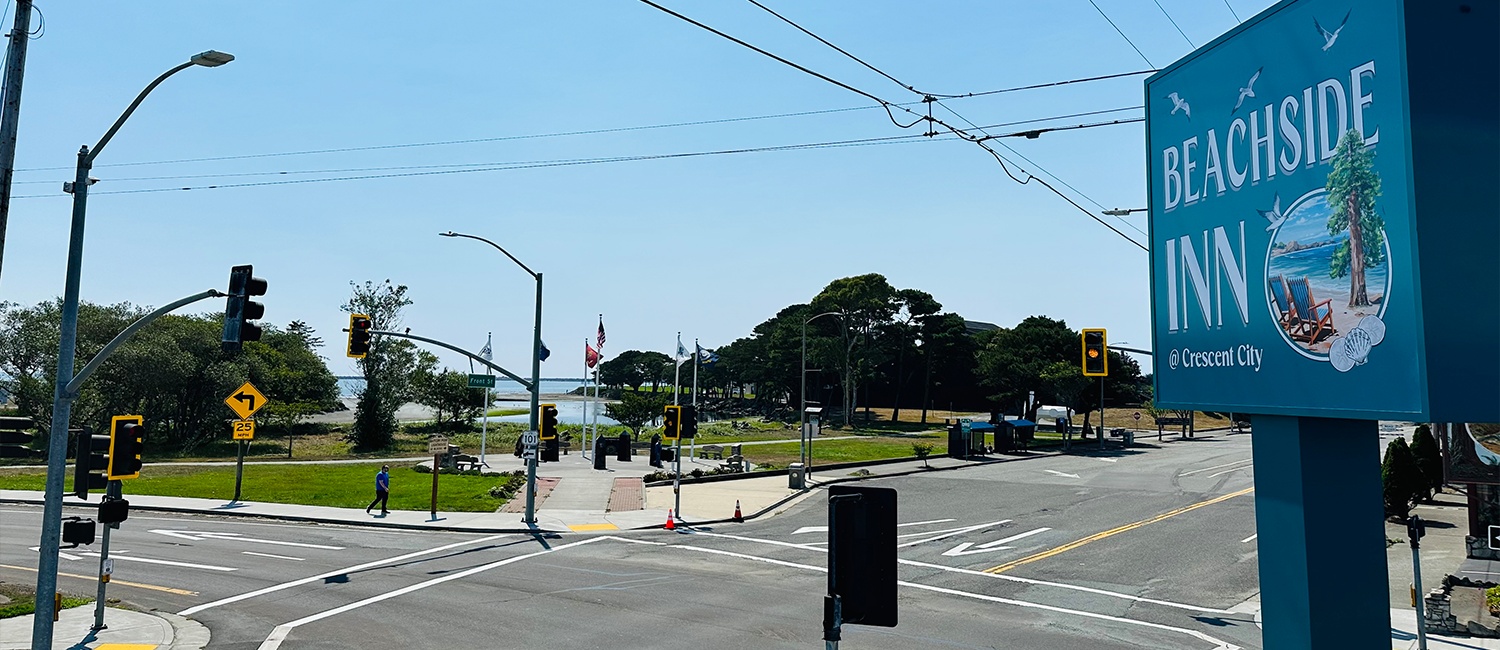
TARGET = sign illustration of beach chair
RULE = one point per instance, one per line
(1310, 319)
(1277, 288)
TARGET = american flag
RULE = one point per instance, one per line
(601, 333)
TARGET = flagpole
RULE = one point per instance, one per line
(693, 442)
(676, 368)
(484, 410)
(587, 405)
(598, 362)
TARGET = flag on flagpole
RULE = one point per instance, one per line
(706, 357)
(601, 332)
(543, 353)
(590, 357)
(486, 352)
(682, 352)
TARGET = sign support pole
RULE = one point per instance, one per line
(1416, 573)
(1317, 486)
(436, 465)
(112, 492)
(239, 469)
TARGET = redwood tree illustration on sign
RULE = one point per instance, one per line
(1353, 187)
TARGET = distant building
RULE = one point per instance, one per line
(974, 327)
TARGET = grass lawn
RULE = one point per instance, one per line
(341, 486)
(498, 413)
(22, 601)
(842, 451)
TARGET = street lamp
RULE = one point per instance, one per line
(804, 435)
(536, 371)
(1121, 212)
(67, 349)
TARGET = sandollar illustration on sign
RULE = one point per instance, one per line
(1282, 252)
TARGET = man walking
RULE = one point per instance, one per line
(382, 490)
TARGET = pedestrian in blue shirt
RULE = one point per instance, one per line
(382, 490)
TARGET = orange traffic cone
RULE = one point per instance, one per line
(670, 525)
(737, 515)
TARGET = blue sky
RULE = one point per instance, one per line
(709, 246)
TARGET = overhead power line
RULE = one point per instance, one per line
(1174, 23)
(889, 105)
(1232, 12)
(1122, 34)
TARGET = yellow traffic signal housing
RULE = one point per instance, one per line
(548, 422)
(359, 336)
(1095, 353)
(671, 422)
(127, 441)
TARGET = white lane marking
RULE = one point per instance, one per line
(1231, 471)
(236, 537)
(147, 560)
(274, 640)
(996, 576)
(65, 556)
(954, 592)
(1208, 469)
(279, 557)
(634, 541)
(1057, 473)
(958, 531)
(1013, 538)
(824, 529)
(1249, 539)
(358, 567)
(1108, 460)
(1218, 644)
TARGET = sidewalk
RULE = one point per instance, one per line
(125, 628)
(1404, 635)
(580, 502)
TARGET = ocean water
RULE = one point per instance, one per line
(350, 386)
(1313, 264)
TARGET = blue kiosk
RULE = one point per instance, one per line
(1324, 227)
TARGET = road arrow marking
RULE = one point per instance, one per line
(236, 537)
(65, 556)
(1053, 471)
(1013, 538)
(824, 529)
(810, 529)
(147, 560)
(956, 531)
(961, 549)
(279, 557)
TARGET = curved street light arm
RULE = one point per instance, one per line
(131, 109)
(120, 339)
(525, 268)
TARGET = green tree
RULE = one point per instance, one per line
(1353, 187)
(1401, 479)
(1424, 448)
(635, 409)
(447, 393)
(622, 370)
(389, 366)
(864, 302)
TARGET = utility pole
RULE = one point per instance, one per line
(10, 113)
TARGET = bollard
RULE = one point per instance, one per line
(599, 453)
(622, 448)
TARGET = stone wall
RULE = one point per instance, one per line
(1479, 548)
(1438, 615)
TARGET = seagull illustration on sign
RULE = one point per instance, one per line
(1247, 91)
(1179, 103)
(1330, 37)
(1273, 215)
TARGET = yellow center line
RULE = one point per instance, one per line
(1114, 531)
(170, 590)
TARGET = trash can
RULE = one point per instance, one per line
(796, 476)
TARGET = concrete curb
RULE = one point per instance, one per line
(321, 520)
(187, 634)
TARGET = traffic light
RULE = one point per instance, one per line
(127, 441)
(92, 457)
(1095, 353)
(13, 438)
(548, 422)
(671, 422)
(359, 336)
(689, 424)
(240, 309)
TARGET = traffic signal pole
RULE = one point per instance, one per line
(114, 491)
(536, 398)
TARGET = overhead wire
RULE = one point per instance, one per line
(1232, 12)
(1122, 34)
(928, 98)
(1174, 24)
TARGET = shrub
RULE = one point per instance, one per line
(1492, 600)
(1424, 449)
(1401, 479)
(922, 450)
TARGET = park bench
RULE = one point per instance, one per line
(465, 462)
(715, 452)
(735, 463)
(1240, 426)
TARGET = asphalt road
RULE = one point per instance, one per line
(1147, 549)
